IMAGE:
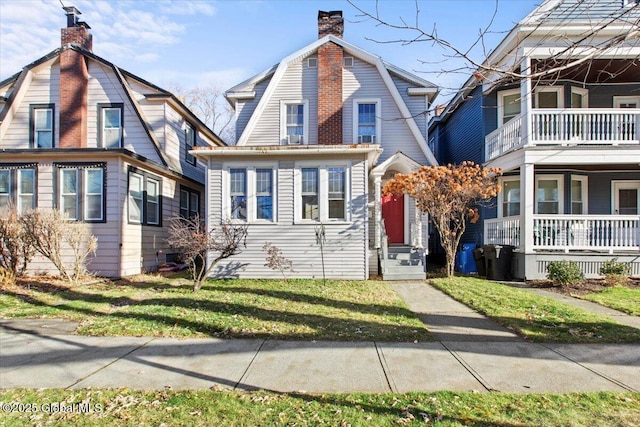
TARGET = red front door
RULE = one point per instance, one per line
(393, 217)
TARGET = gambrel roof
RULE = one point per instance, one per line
(245, 90)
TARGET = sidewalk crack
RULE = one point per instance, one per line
(383, 364)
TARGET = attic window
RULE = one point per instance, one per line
(312, 63)
(347, 61)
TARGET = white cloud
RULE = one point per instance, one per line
(188, 8)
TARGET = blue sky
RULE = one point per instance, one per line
(224, 42)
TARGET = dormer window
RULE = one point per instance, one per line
(42, 126)
(110, 125)
(190, 142)
(295, 122)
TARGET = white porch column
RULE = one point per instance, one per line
(527, 200)
(417, 238)
(526, 94)
(377, 208)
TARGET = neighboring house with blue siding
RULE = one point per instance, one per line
(79, 134)
(318, 135)
(566, 136)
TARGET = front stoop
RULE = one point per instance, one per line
(404, 263)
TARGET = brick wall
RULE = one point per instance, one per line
(330, 57)
(74, 77)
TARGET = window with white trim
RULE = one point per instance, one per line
(17, 188)
(145, 198)
(189, 202)
(189, 143)
(309, 194)
(336, 194)
(42, 125)
(250, 192)
(110, 125)
(579, 195)
(81, 191)
(294, 129)
(508, 105)
(579, 97)
(264, 194)
(322, 192)
(549, 97)
(510, 197)
(366, 121)
(238, 193)
(549, 194)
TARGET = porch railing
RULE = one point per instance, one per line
(607, 233)
(610, 126)
(577, 126)
(502, 231)
(504, 139)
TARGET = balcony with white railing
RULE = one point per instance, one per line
(576, 126)
(601, 233)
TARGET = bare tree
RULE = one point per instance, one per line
(276, 260)
(190, 237)
(209, 104)
(474, 61)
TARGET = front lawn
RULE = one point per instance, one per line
(122, 407)
(157, 306)
(535, 317)
(618, 298)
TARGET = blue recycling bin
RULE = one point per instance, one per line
(465, 262)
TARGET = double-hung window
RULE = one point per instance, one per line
(42, 126)
(321, 192)
(549, 194)
(189, 203)
(81, 191)
(336, 195)
(238, 193)
(294, 122)
(110, 125)
(17, 187)
(309, 194)
(264, 194)
(511, 197)
(508, 105)
(144, 198)
(366, 122)
(189, 143)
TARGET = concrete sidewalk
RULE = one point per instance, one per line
(40, 353)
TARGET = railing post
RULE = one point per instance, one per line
(527, 200)
(525, 99)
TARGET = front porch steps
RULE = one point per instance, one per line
(404, 263)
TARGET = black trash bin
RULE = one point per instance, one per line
(498, 261)
(478, 256)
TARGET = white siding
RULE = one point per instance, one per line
(244, 109)
(104, 87)
(298, 82)
(42, 87)
(417, 105)
(345, 248)
(364, 81)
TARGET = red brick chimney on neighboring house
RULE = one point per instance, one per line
(74, 81)
(330, 56)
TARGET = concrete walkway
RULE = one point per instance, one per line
(472, 353)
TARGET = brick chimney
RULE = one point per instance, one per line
(330, 56)
(74, 81)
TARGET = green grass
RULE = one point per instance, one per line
(124, 407)
(537, 318)
(156, 306)
(618, 298)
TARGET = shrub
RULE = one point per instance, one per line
(612, 266)
(564, 273)
(615, 273)
(276, 259)
(16, 249)
(54, 236)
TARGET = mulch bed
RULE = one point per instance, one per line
(586, 286)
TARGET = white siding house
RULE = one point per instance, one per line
(325, 128)
(103, 145)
